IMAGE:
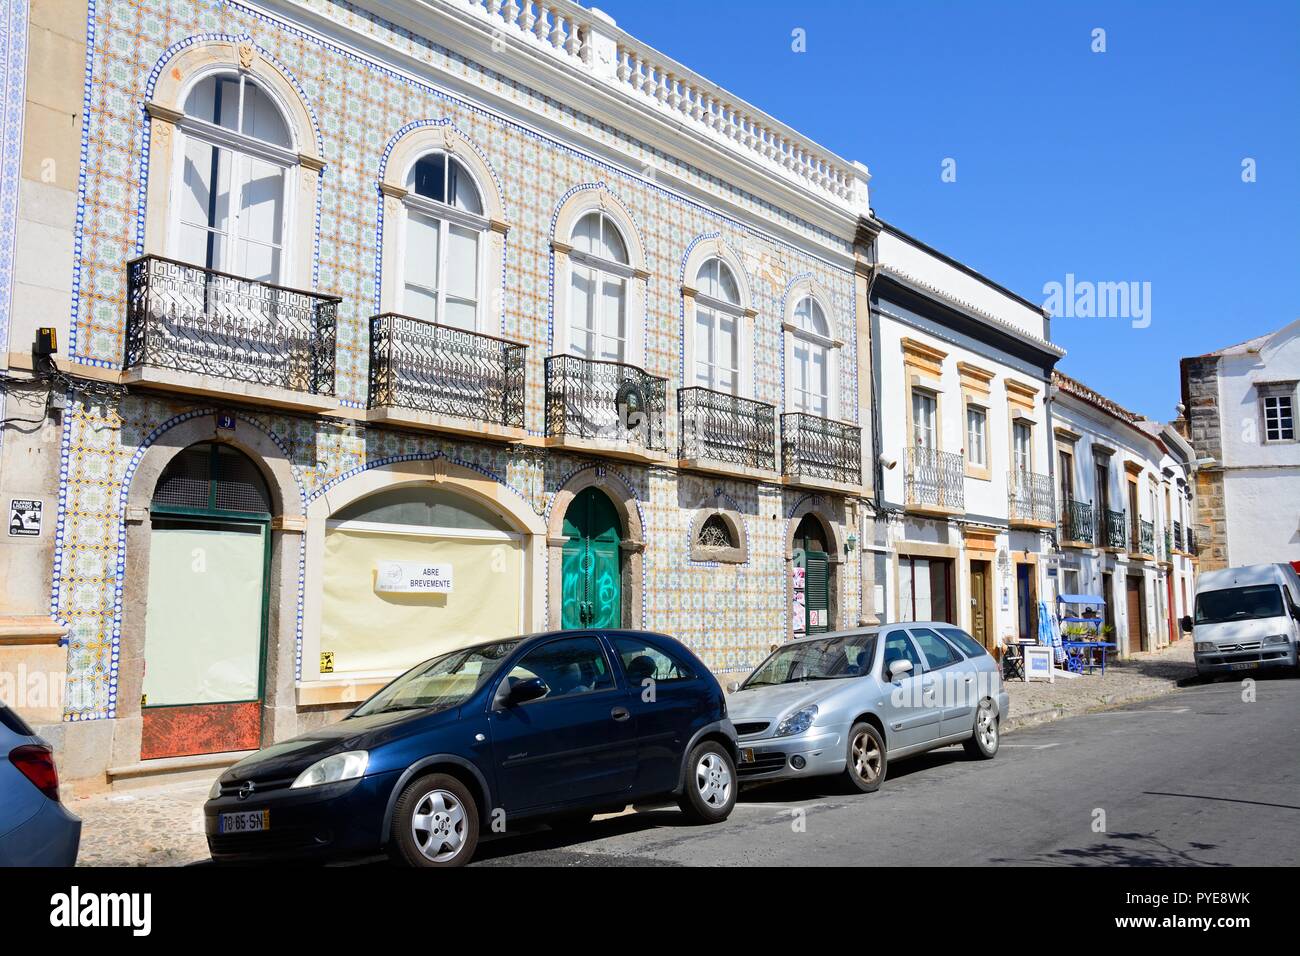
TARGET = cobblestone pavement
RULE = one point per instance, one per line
(149, 826)
(1148, 674)
(163, 825)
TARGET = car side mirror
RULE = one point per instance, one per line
(900, 669)
(530, 688)
(733, 686)
(1186, 624)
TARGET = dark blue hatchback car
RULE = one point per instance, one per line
(558, 725)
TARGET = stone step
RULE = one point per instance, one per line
(150, 773)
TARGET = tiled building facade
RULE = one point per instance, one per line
(779, 215)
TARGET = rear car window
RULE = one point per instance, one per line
(965, 643)
(937, 653)
(15, 723)
(642, 660)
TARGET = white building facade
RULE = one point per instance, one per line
(965, 514)
(1240, 416)
(1125, 509)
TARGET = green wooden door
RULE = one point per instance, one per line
(590, 570)
(817, 591)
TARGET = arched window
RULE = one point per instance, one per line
(441, 266)
(811, 357)
(237, 155)
(598, 287)
(715, 533)
(718, 319)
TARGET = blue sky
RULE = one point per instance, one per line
(1117, 166)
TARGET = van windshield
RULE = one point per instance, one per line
(1239, 604)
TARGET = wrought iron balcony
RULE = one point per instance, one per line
(724, 428)
(819, 449)
(183, 318)
(1179, 542)
(936, 479)
(1029, 498)
(1115, 533)
(591, 399)
(433, 368)
(1193, 546)
(1077, 521)
(1144, 541)
(1167, 546)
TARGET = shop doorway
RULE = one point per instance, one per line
(1136, 637)
(812, 562)
(1026, 601)
(206, 613)
(980, 578)
(591, 563)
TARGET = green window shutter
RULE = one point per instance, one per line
(817, 591)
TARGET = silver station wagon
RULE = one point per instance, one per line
(849, 702)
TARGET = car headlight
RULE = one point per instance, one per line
(344, 766)
(797, 722)
(1206, 647)
(1276, 639)
(216, 789)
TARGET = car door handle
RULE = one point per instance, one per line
(620, 713)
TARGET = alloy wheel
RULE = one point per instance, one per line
(866, 757)
(713, 778)
(986, 726)
(438, 825)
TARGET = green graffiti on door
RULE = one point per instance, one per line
(592, 590)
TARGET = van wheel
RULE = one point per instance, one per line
(710, 793)
(867, 762)
(435, 823)
(984, 740)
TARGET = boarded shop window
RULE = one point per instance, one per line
(476, 594)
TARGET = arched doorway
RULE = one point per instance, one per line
(812, 577)
(590, 566)
(206, 614)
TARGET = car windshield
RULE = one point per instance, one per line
(1239, 604)
(441, 683)
(826, 659)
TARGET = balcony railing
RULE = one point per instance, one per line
(1077, 521)
(607, 401)
(936, 479)
(1179, 542)
(820, 449)
(718, 427)
(1115, 531)
(184, 318)
(446, 371)
(1144, 541)
(1029, 497)
(1167, 546)
(1193, 547)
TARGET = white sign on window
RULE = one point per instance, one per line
(409, 577)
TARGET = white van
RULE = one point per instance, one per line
(1246, 618)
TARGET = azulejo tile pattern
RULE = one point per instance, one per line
(13, 63)
(730, 613)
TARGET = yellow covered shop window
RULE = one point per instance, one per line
(371, 630)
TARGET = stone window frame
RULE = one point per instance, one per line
(165, 115)
(492, 224)
(735, 555)
(1279, 390)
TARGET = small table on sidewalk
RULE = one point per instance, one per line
(1013, 659)
(1079, 655)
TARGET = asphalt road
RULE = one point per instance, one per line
(1198, 777)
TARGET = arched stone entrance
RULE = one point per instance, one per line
(814, 554)
(563, 535)
(281, 524)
